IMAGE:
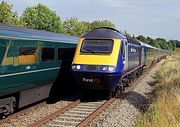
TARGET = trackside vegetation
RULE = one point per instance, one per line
(165, 108)
(42, 18)
(176, 51)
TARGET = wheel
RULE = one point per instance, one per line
(3, 116)
(141, 71)
(127, 81)
(111, 94)
(120, 89)
(138, 74)
(118, 92)
(133, 76)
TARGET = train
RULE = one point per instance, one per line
(106, 59)
(30, 61)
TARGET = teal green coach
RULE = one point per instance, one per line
(30, 61)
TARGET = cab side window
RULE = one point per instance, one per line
(47, 54)
(27, 55)
(123, 51)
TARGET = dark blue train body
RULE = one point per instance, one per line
(106, 59)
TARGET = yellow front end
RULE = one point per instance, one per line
(97, 59)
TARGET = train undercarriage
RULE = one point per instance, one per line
(126, 81)
(23, 98)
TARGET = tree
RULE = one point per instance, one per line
(158, 42)
(162, 43)
(155, 43)
(74, 27)
(7, 16)
(127, 34)
(173, 44)
(177, 44)
(149, 40)
(42, 18)
(141, 38)
(103, 23)
(83, 27)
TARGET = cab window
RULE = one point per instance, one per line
(97, 46)
(47, 54)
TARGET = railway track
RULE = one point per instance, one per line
(25, 110)
(21, 112)
(81, 113)
(75, 114)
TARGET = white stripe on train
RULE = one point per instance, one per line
(20, 73)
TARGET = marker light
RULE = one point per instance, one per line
(73, 67)
(111, 68)
(105, 68)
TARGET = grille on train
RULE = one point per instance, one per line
(91, 67)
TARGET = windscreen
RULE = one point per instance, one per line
(97, 46)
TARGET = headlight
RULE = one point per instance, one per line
(78, 67)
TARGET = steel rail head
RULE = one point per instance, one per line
(95, 113)
(53, 115)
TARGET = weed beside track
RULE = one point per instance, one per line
(165, 109)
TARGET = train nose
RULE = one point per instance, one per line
(96, 81)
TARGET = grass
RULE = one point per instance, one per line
(165, 109)
(176, 51)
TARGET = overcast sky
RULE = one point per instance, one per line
(154, 18)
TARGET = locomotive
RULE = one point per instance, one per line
(107, 60)
(30, 61)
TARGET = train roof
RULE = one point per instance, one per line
(147, 45)
(150, 46)
(104, 32)
(32, 34)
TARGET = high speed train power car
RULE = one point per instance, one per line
(105, 59)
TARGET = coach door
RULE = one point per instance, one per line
(49, 65)
(142, 56)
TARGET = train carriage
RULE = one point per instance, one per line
(30, 61)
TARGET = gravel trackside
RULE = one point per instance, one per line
(125, 110)
(34, 114)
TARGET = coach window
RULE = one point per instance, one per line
(5, 57)
(47, 54)
(6, 53)
(27, 55)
